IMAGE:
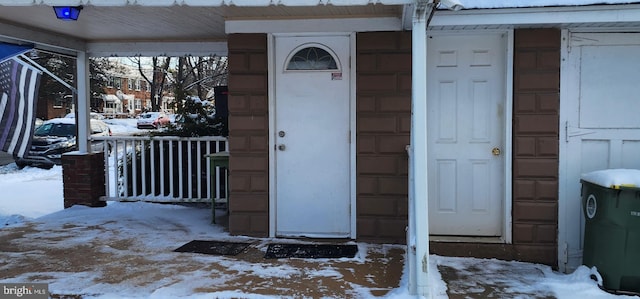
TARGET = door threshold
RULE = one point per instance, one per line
(290, 239)
(466, 239)
(316, 236)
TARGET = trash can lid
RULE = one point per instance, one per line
(614, 178)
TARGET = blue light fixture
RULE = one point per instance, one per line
(67, 13)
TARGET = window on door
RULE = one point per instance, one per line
(312, 58)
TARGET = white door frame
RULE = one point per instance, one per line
(567, 72)
(507, 237)
(271, 37)
(507, 226)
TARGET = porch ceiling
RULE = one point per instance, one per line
(170, 23)
(127, 29)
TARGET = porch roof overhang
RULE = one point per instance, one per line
(200, 27)
(574, 17)
(185, 27)
(111, 98)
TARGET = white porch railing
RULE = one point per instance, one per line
(163, 169)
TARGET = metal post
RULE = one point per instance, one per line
(83, 121)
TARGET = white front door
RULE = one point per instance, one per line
(312, 136)
(600, 119)
(466, 96)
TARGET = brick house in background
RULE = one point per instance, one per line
(127, 93)
(502, 106)
(53, 106)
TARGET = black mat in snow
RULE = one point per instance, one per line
(316, 251)
(213, 247)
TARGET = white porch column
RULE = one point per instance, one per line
(84, 126)
(418, 243)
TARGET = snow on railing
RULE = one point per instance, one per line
(163, 169)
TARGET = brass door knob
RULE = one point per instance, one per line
(495, 151)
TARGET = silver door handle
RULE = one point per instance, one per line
(281, 147)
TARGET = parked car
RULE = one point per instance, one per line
(152, 120)
(93, 115)
(56, 137)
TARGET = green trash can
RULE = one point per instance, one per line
(611, 206)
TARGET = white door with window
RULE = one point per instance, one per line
(466, 97)
(600, 119)
(312, 136)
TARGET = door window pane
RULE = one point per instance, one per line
(312, 58)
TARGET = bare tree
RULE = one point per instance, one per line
(157, 82)
(193, 76)
(199, 75)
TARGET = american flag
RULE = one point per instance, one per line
(18, 96)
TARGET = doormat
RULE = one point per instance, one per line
(314, 251)
(213, 247)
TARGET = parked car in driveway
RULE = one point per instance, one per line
(56, 137)
(152, 120)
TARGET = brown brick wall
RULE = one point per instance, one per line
(83, 179)
(536, 99)
(383, 122)
(535, 140)
(248, 135)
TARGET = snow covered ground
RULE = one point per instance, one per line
(33, 198)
